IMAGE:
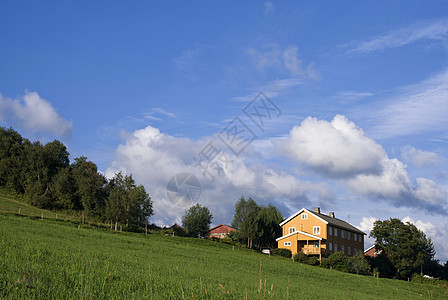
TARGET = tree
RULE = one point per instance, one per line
(404, 245)
(127, 203)
(359, 264)
(339, 261)
(258, 225)
(197, 220)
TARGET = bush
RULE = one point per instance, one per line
(312, 260)
(359, 264)
(281, 252)
(339, 261)
(300, 257)
(325, 263)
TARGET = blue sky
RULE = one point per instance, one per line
(361, 91)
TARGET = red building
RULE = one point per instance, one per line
(220, 231)
(371, 251)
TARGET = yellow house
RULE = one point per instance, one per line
(314, 233)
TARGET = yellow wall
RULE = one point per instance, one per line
(306, 225)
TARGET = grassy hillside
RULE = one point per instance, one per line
(56, 259)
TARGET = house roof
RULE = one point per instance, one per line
(227, 228)
(369, 248)
(301, 232)
(327, 220)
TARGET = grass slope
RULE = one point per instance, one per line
(57, 259)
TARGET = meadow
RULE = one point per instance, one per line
(53, 258)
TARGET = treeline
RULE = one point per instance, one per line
(46, 179)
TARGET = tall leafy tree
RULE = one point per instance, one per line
(404, 245)
(127, 203)
(11, 159)
(90, 186)
(197, 220)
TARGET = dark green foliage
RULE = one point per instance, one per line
(358, 264)
(43, 174)
(404, 245)
(312, 261)
(197, 220)
(325, 263)
(381, 264)
(339, 261)
(127, 204)
(282, 252)
(300, 257)
(257, 225)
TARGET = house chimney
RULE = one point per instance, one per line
(317, 210)
(331, 214)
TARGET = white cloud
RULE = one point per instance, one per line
(420, 158)
(33, 114)
(292, 61)
(436, 30)
(154, 158)
(351, 96)
(416, 109)
(286, 59)
(336, 148)
(366, 224)
(339, 149)
(268, 7)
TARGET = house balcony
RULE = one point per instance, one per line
(311, 250)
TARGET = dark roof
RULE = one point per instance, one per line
(337, 222)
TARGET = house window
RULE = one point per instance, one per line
(287, 243)
(316, 229)
(316, 244)
(355, 236)
(348, 235)
(335, 233)
(355, 251)
(335, 247)
(343, 233)
(342, 248)
(292, 229)
(330, 246)
(348, 250)
(304, 216)
(330, 230)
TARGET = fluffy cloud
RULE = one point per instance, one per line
(34, 114)
(336, 148)
(154, 158)
(339, 149)
(420, 158)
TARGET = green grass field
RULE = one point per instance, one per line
(54, 259)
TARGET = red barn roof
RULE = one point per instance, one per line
(222, 228)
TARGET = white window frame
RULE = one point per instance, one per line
(304, 216)
(330, 230)
(342, 248)
(293, 229)
(318, 230)
(335, 231)
(287, 244)
(330, 246)
(335, 247)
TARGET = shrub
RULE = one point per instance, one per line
(300, 257)
(281, 252)
(325, 263)
(339, 261)
(312, 260)
(359, 264)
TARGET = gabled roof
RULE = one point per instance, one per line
(222, 225)
(301, 232)
(369, 248)
(326, 219)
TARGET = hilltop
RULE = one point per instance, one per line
(57, 258)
